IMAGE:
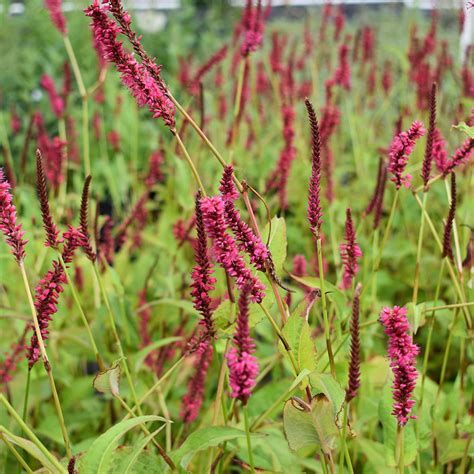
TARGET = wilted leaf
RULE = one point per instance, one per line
(108, 381)
(312, 425)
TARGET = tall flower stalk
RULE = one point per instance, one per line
(315, 218)
(13, 233)
(425, 175)
(402, 353)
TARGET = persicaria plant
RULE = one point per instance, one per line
(236, 244)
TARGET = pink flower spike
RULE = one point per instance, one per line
(243, 366)
(225, 248)
(8, 223)
(350, 253)
(400, 149)
(248, 241)
(56, 14)
(402, 353)
(147, 88)
(57, 102)
(193, 399)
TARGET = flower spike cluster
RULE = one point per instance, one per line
(52, 232)
(8, 224)
(315, 214)
(243, 366)
(400, 149)
(225, 248)
(203, 282)
(460, 156)
(428, 159)
(248, 241)
(402, 353)
(448, 228)
(57, 102)
(49, 289)
(56, 14)
(354, 364)
(193, 399)
(144, 86)
(350, 253)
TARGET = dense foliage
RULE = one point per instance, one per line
(257, 256)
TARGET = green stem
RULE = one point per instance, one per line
(27, 395)
(446, 354)
(400, 449)
(324, 304)
(343, 438)
(46, 363)
(253, 221)
(387, 231)
(30, 434)
(14, 450)
(282, 338)
(156, 385)
(418, 250)
(247, 432)
(85, 106)
(190, 162)
(72, 286)
(117, 338)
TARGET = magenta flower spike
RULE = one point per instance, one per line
(460, 156)
(440, 154)
(57, 102)
(354, 364)
(248, 241)
(192, 400)
(400, 149)
(402, 353)
(202, 281)
(225, 248)
(49, 289)
(315, 214)
(350, 253)
(56, 14)
(9, 226)
(243, 366)
(143, 85)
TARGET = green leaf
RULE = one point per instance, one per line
(277, 242)
(30, 448)
(389, 424)
(326, 384)
(99, 455)
(455, 450)
(298, 334)
(205, 438)
(465, 128)
(131, 459)
(310, 425)
(137, 358)
(374, 454)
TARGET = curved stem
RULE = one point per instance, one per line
(247, 432)
(46, 363)
(190, 162)
(327, 335)
(418, 251)
(100, 361)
